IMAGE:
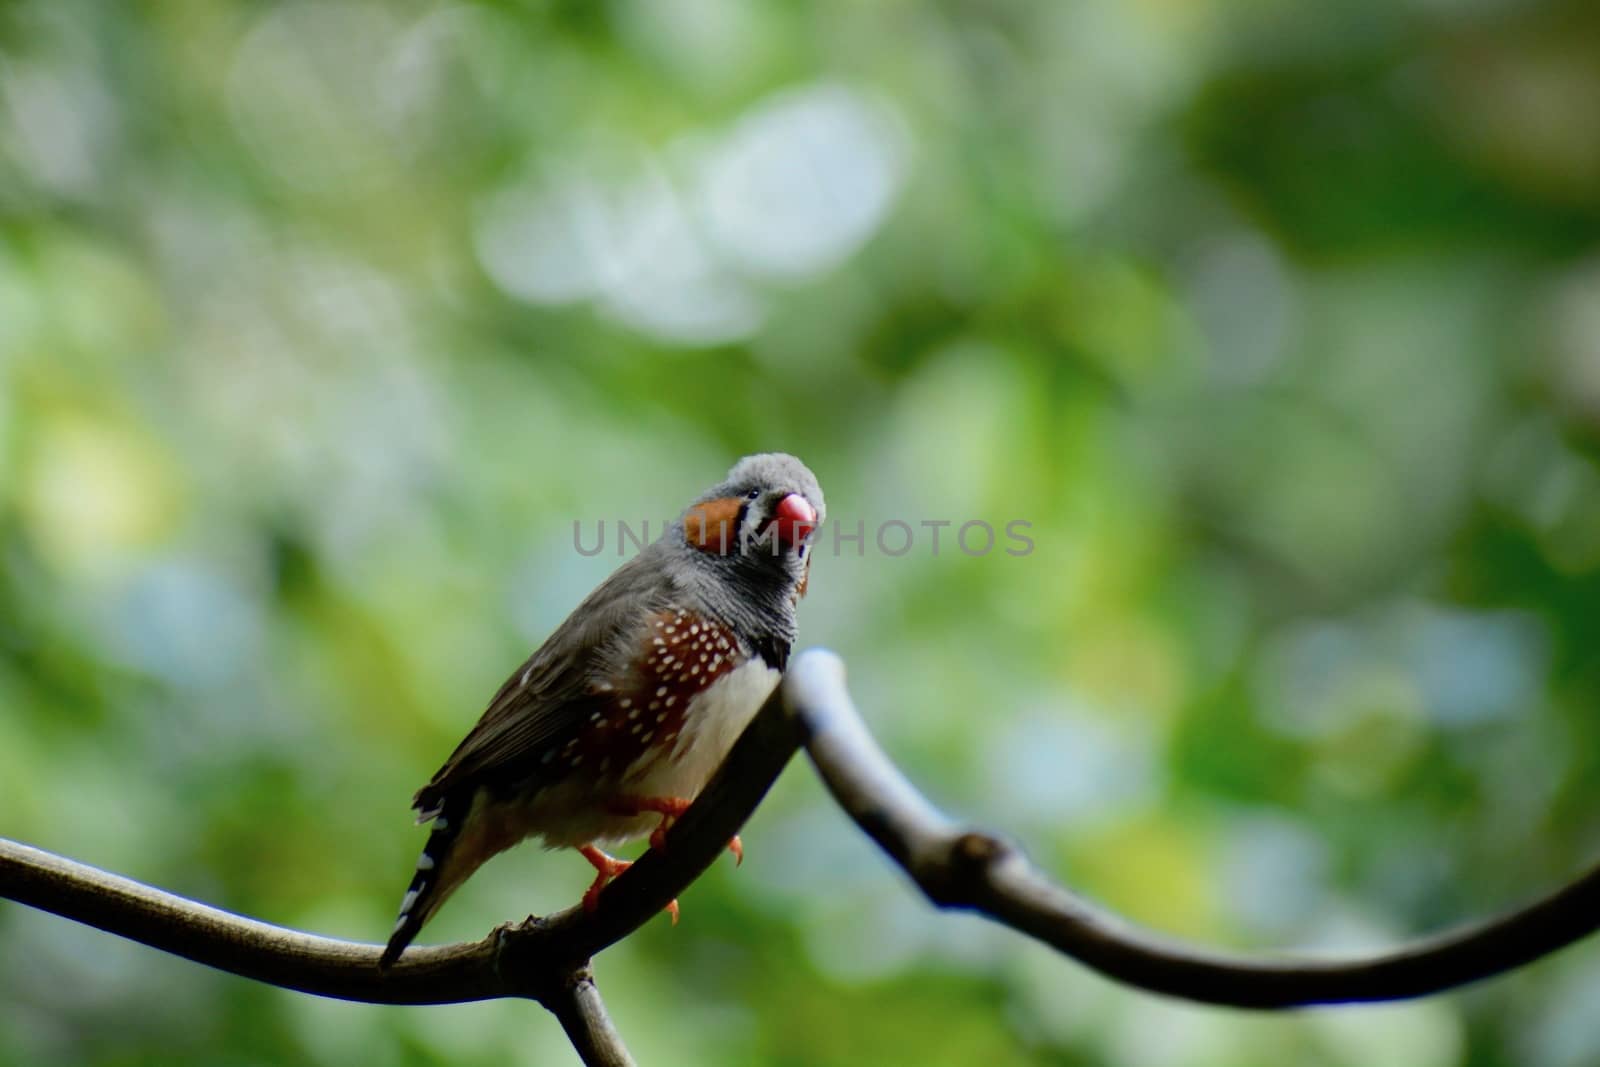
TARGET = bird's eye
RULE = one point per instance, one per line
(752, 494)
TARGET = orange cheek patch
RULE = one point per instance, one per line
(713, 526)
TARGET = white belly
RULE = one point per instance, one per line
(573, 813)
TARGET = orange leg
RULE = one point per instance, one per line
(669, 808)
(606, 868)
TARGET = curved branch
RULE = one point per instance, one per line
(576, 1003)
(959, 868)
(246, 947)
(547, 959)
(528, 959)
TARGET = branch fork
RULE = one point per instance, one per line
(547, 958)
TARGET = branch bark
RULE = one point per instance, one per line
(978, 871)
(576, 1003)
(515, 960)
(547, 959)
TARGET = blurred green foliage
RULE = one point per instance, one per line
(321, 324)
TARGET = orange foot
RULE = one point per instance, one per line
(669, 808)
(606, 868)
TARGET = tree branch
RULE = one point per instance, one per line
(576, 1003)
(524, 959)
(547, 959)
(974, 870)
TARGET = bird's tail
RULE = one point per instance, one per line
(435, 879)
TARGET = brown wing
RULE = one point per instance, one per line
(551, 695)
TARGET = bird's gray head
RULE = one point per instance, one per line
(769, 505)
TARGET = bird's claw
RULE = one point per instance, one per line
(605, 868)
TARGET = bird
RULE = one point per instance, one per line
(610, 729)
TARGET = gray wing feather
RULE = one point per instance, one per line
(548, 697)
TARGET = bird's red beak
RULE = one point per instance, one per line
(794, 519)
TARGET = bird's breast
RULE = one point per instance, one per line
(659, 729)
(716, 718)
(588, 807)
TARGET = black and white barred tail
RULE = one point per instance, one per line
(428, 887)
